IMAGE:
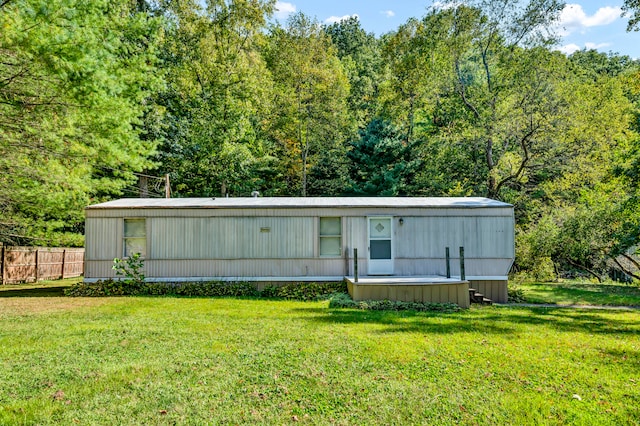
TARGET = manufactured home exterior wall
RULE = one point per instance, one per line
(233, 242)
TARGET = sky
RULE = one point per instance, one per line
(589, 24)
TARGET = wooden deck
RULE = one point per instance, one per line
(430, 289)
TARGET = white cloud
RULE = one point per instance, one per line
(284, 9)
(388, 13)
(596, 46)
(568, 49)
(573, 18)
(334, 19)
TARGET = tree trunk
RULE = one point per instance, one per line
(584, 268)
(625, 270)
(491, 179)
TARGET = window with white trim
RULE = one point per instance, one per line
(330, 236)
(135, 237)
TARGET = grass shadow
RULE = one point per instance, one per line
(54, 288)
(34, 292)
(492, 320)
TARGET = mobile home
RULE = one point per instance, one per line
(400, 242)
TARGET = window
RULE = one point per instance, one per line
(135, 237)
(330, 236)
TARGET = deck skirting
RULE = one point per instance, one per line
(413, 289)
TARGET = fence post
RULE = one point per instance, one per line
(1, 263)
(355, 265)
(37, 262)
(462, 274)
(448, 263)
(64, 258)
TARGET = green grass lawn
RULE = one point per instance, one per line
(581, 293)
(230, 361)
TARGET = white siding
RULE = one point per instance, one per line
(284, 242)
(228, 268)
(103, 238)
(428, 237)
(232, 238)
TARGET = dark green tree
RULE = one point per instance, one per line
(381, 162)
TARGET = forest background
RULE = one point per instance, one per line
(469, 100)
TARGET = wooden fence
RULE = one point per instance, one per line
(30, 264)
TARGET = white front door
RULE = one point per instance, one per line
(380, 246)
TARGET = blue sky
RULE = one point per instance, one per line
(584, 23)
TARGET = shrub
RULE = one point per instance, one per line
(305, 290)
(112, 287)
(515, 294)
(130, 269)
(108, 287)
(214, 289)
(344, 301)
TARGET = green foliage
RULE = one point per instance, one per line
(305, 290)
(101, 288)
(515, 293)
(359, 53)
(310, 110)
(132, 286)
(73, 85)
(632, 8)
(343, 300)
(125, 288)
(381, 161)
(131, 269)
(216, 97)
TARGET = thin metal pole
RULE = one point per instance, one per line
(355, 264)
(462, 274)
(448, 263)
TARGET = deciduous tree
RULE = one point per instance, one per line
(310, 113)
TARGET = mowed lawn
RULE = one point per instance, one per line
(580, 293)
(232, 361)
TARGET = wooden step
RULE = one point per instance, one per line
(477, 297)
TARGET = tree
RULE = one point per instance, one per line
(501, 86)
(583, 213)
(632, 8)
(359, 53)
(73, 83)
(469, 77)
(381, 163)
(310, 98)
(217, 89)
